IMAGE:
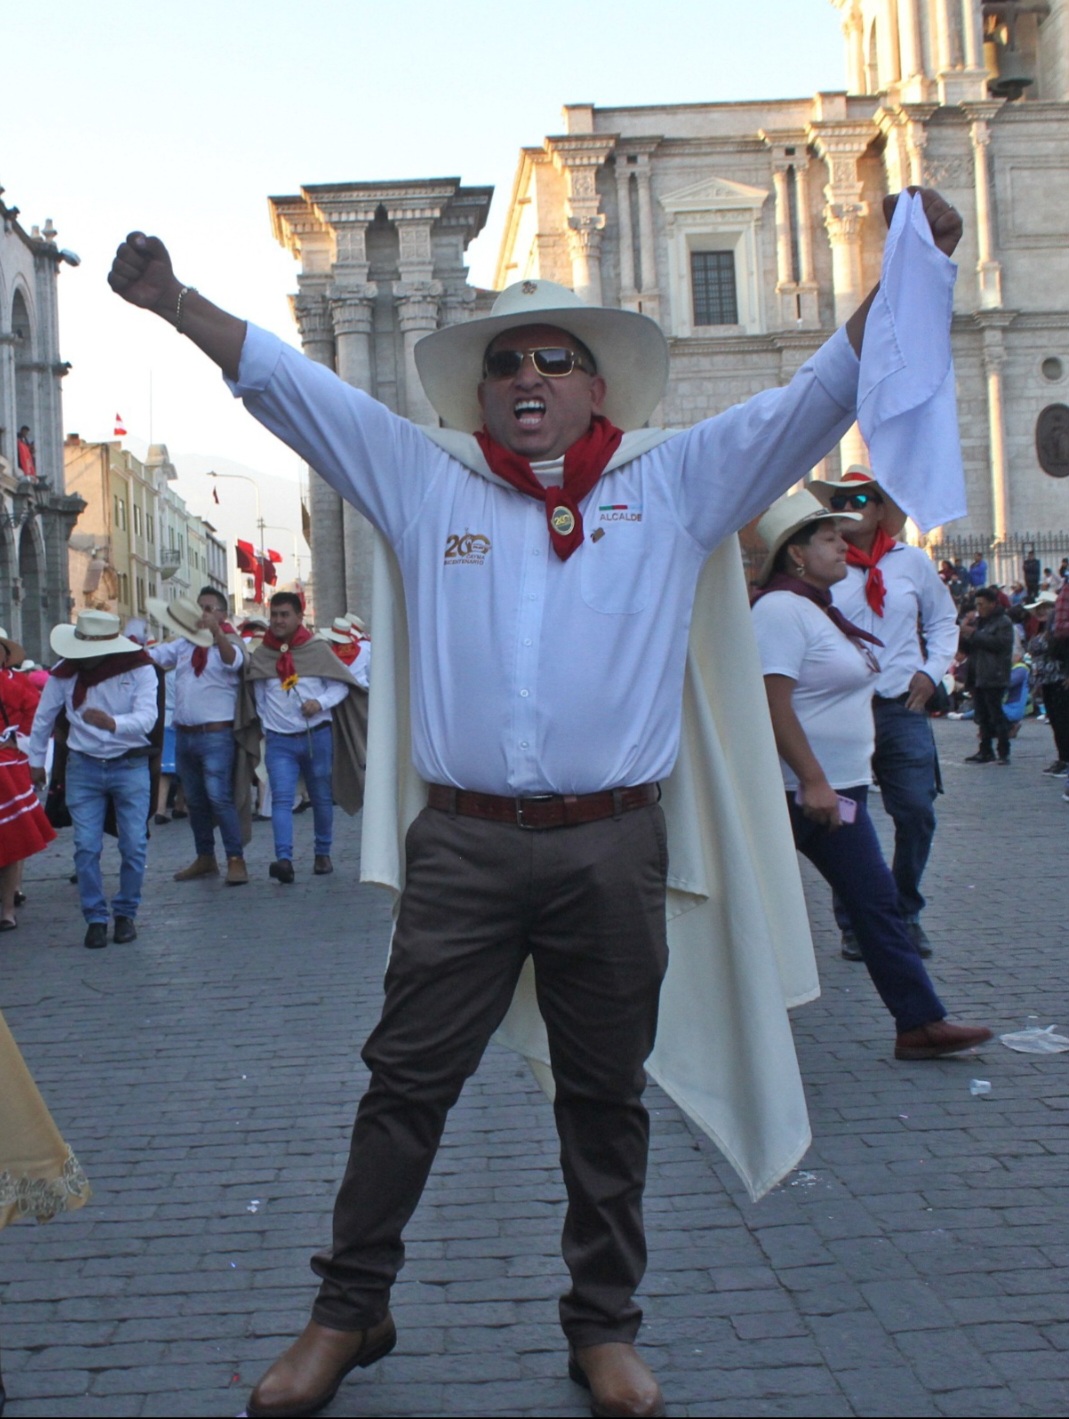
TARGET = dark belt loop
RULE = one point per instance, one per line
(617, 805)
(452, 809)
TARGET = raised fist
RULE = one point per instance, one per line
(143, 275)
(943, 219)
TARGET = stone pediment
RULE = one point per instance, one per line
(715, 194)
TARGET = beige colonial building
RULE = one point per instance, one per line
(36, 514)
(136, 537)
(750, 231)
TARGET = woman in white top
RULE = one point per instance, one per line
(819, 672)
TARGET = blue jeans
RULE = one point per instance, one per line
(90, 783)
(905, 766)
(205, 764)
(851, 863)
(287, 756)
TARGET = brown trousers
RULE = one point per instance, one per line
(588, 904)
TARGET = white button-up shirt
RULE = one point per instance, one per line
(129, 698)
(531, 674)
(208, 698)
(280, 710)
(917, 604)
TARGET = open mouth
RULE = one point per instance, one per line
(529, 413)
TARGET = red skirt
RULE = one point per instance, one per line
(24, 829)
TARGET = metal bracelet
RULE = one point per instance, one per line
(178, 312)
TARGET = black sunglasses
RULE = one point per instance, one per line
(553, 361)
(839, 502)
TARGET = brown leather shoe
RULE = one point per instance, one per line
(200, 867)
(237, 874)
(939, 1038)
(619, 1380)
(323, 866)
(306, 1378)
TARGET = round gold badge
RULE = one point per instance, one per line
(563, 520)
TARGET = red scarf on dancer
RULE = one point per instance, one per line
(347, 654)
(284, 664)
(875, 591)
(88, 676)
(200, 652)
(584, 463)
(783, 582)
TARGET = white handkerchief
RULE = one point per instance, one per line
(906, 406)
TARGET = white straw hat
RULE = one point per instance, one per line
(786, 517)
(853, 480)
(354, 621)
(334, 634)
(181, 616)
(95, 633)
(629, 349)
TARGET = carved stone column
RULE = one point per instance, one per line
(625, 234)
(417, 315)
(578, 157)
(312, 312)
(353, 311)
(994, 359)
(988, 269)
(841, 146)
(650, 294)
(909, 39)
(853, 34)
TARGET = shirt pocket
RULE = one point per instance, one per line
(614, 571)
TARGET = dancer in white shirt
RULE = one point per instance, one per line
(109, 690)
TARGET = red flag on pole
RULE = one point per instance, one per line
(215, 494)
(247, 559)
(120, 428)
(273, 555)
(268, 572)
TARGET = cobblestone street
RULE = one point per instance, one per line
(206, 1076)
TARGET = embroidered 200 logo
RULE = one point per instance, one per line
(466, 549)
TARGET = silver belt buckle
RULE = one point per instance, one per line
(530, 798)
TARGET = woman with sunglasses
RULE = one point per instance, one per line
(819, 671)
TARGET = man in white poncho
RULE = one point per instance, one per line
(548, 548)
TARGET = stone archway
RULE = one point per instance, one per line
(23, 331)
(31, 566)
(8, 572)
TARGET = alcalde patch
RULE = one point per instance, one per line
(620, 512)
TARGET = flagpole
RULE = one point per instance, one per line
(244, 478)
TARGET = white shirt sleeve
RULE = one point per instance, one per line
(141, 717)
(379, 462)
(738, 463)
(782, 637)
(939, 624)
(165, 654)
(52, 701)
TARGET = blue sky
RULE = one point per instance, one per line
(182, 120)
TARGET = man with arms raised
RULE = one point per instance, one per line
(548, 638)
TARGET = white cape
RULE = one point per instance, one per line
(738, 933)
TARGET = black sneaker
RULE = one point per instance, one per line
(281, 870)
(919, 938)
(96, 935)
(125, 930)
(980, 758)
(1056, 770)
(849, 948)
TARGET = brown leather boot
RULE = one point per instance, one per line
(199, 867)
(619, 1380)
(306, 1378)
(237, 874)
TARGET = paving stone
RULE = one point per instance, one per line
(916, 1262)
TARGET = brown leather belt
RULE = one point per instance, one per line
(212, 728)
(545, 810)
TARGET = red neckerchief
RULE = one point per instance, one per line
(199, 659)
(875, 591)
(584, 463)
(782, 582)
(347, 654)
(108, 668)
(284, 664)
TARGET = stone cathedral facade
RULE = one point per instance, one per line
(382, 264)
(750, 231)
